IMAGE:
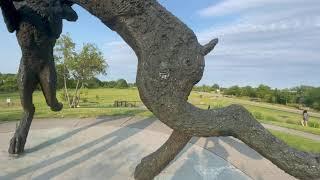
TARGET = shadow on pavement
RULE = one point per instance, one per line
(68, 135)
(220, 150)
(118, 136)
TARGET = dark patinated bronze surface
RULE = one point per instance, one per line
(38, 24)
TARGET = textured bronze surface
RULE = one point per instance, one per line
(38, 24)
(170, 63)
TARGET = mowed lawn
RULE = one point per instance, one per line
(298, 142)
(269, 115)
(95, 103)
(99, 102)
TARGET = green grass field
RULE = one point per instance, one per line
(269, 115)
(99, 102)
(298, 142)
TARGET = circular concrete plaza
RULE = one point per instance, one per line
(111, 147)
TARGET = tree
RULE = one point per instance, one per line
(215, 86)
(61, 79)
(93, 83)
(122, 84)
(110, 84)
(81, 67)
(263, 91)
(312, 98)
(248, 91)
(85, 66)
(8, 83)
(64, 55)
(234, 90)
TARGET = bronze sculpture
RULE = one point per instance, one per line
(170, 63)
(38, 24)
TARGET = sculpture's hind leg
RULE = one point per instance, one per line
(48, 82)
(27, 82)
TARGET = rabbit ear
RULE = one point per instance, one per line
(206, 49)
(66, 2)
(68, 13)
(10, 15)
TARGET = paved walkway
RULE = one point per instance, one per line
(274, 107)
(263, 104)
(111, 147)
(293, 132)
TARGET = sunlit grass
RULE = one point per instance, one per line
(99, 102)
(298, 142)
(267, 115)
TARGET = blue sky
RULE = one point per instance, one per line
(274, 42)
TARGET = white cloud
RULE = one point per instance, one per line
(265, 38)
(119, 51)
(121, 59)
(226, 7)
(318, 22)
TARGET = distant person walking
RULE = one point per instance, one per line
(305, 117)
(8, 102)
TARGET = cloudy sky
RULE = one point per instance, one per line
(273, 42)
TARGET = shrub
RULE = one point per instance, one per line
(258, 115)
(290, 121)
(314, 124)
(85, 100)
(271, 118)
(62, 95)
(216, 106)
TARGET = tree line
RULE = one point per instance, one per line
(8, 83)
(297, 96)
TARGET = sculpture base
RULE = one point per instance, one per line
(106, 149)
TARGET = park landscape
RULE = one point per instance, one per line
(265, 121)
(100, 102)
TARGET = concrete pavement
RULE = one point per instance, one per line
(111, 147)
